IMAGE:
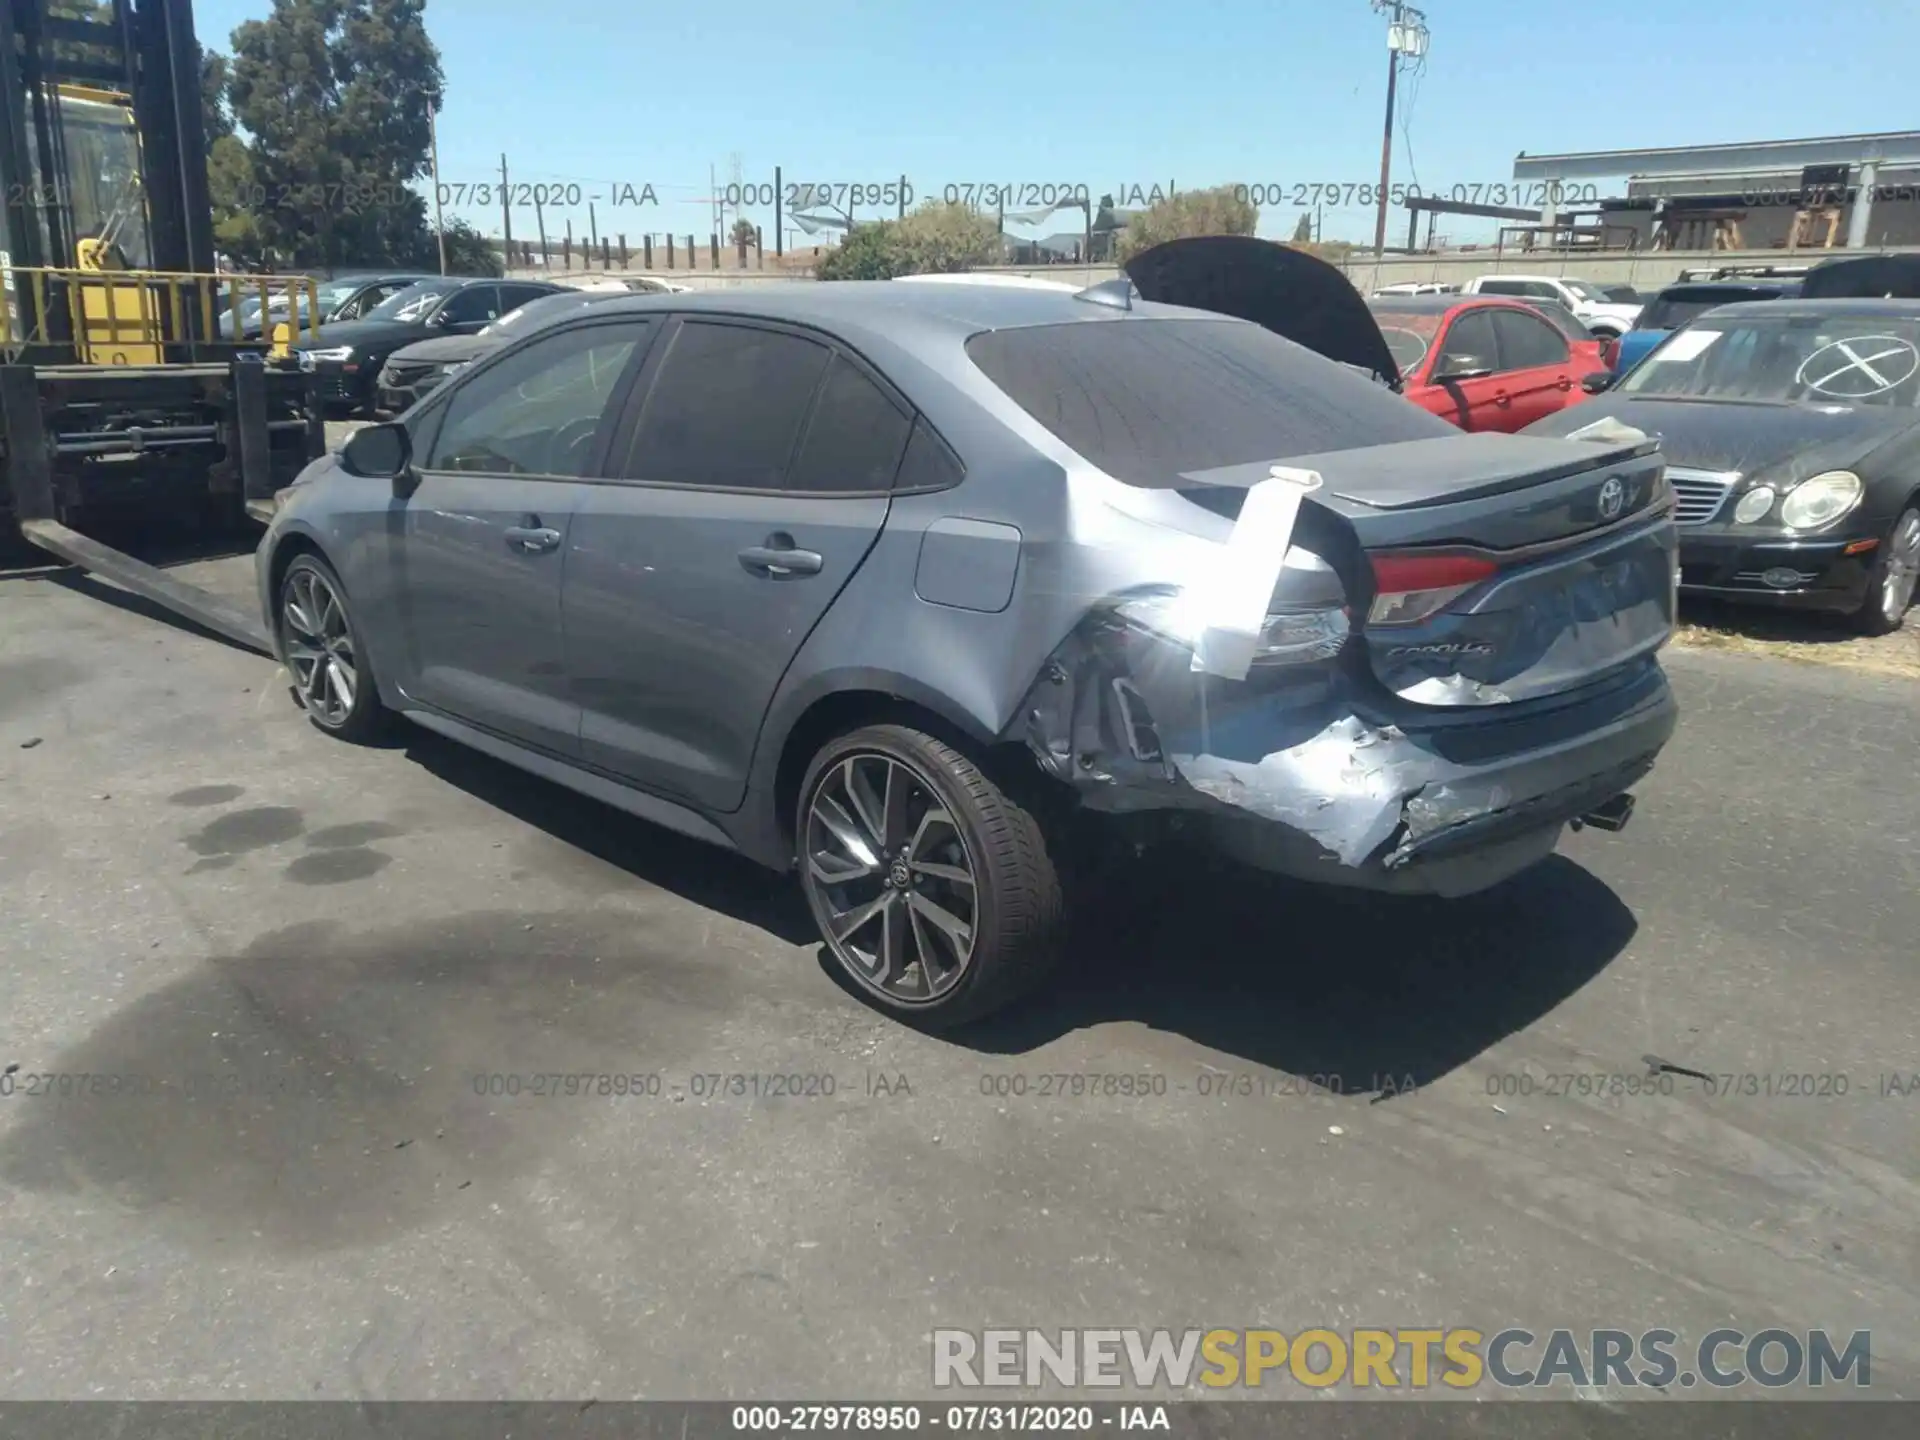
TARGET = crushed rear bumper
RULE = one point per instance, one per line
(1283, 772)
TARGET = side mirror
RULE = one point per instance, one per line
(1596, 382)
(381, 452)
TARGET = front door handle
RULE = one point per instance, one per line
(781, 562)
(1563, 383)
(532, 539)
(1502, 399)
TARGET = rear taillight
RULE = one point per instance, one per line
(1610, 353)
(1411, 588)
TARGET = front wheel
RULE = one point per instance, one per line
(320, 646)
(1891, 581)
(934, 890)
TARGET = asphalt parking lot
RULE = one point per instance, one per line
(302, 962)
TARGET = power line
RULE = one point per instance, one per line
(1406, 36)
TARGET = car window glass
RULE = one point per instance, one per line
(411, 302)
(854, 439)
(482, 302)
(1527, 343)
(928, 463)
(1469, 345)
(537, 412)
(727, 407)
(1501, 287)
(516, 295)
(1149, 401)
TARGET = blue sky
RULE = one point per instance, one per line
(603, 96)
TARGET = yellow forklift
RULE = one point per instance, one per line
(126, 386)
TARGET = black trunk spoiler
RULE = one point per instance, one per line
(1294, 294)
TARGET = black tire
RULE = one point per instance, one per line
(1019, 912)
(362, 719)
(1888, 596)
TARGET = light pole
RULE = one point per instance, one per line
(1406, 35)
(433, 141)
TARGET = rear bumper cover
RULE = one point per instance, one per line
(1283, 773)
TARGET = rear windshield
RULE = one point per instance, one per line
(1147, 400)
(1671, 309)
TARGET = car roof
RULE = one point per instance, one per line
(1794, 308)
(898, 313)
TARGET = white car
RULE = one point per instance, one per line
(1607, 319)
(1416, 287)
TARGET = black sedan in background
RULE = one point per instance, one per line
(415, 370)
(348, 357)
(1792, 434)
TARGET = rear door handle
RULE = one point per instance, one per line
(1502, 399)
(1563, 383)
(534, 539)
(781, 562)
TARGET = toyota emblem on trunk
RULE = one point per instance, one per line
(1612, 496)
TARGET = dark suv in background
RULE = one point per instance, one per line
(416, 370)
(348, 356)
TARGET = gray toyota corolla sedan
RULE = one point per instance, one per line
(900, 586)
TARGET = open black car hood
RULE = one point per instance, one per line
(1288, 291)
(1864, 277)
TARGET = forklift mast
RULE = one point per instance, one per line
(121, 386)
(144, 50)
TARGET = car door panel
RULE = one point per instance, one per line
(1536, 362)
(746, 489)
(1473, 402)
(485, 532)
(481, 608)
(676, 642)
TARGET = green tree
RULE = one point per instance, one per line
(332, 96)
(941, 237)
(743, 233)
(868, 252)
(1218, 211)
(1303, 229)
(468, 251)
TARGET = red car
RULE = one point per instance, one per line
(1485, 363)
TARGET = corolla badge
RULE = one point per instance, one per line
(1613, 496)
(1445, 649)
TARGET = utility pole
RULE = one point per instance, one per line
(433, 141)
(506, 214)
(1406, 35)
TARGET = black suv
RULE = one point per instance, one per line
(348, 356)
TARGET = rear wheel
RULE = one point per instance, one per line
(320, 645)
(934, 889)
(1891, 581)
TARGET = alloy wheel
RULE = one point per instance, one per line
(319, 647)
(892, 879)
(1903, 566)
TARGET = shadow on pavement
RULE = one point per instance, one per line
(705, 875)
(1362, 993)
(1368, 991)
(1759, 623)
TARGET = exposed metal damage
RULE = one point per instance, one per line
(1122, 717)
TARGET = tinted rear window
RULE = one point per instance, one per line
(1671, 309)
(1147, 400)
